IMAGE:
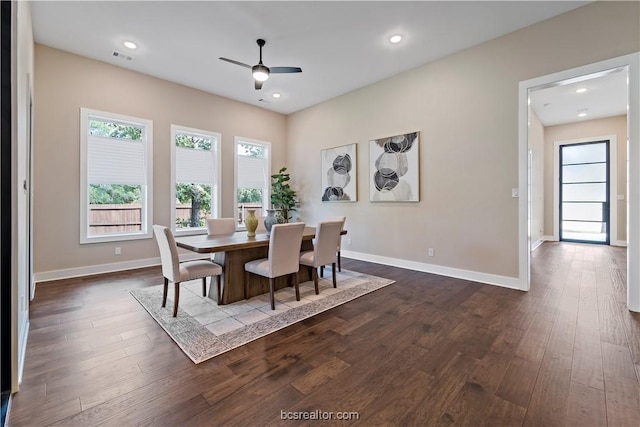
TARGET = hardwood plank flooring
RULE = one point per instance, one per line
(427, 350)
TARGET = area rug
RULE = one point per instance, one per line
(203, 329)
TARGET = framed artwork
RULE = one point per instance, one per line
(393, 169)
(339, 174)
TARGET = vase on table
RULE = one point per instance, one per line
(274, 216)
(251, 222)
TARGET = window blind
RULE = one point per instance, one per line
(115, 161)
(252, 172)
(194, 166)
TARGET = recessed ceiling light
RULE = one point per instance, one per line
(395, 39)
(130, 45)
(582, 114)
(276, 95)
(581, 90)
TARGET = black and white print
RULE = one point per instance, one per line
(393, 166)
(339, 174)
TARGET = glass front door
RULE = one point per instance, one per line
(584, 192)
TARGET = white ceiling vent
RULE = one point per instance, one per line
(122, 55)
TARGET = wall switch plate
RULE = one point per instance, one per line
(431, 252)
(515, 193)
(118, 250)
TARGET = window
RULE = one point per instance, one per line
(253, 172)
(195, 189)
(116, 167)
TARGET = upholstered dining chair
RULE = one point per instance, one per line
(342, 219)
(324, 249)
(283, 258)
(221, 226)
(175, 271)
(216, 226)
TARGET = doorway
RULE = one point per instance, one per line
(630, 64)
(584, 192)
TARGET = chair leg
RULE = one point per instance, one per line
(176, 299)
(273, 303)
(164, 294)
(295, 283)
(315, 279)
(218, 285)
(204, 286)
(333, 272)
(339, 263)
(322, 271)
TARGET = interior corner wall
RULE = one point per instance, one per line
(466, 109)
(537, 147)
(64, 83)
(587, 129)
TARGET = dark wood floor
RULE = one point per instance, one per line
(428, 350)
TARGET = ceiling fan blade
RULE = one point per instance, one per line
(242, 64)
(258, 85)
(285, 69)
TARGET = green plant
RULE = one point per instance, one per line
(282, 196)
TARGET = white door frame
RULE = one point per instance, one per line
(632, 63)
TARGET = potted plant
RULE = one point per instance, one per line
(282, 196)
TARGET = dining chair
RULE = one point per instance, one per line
(177, 272)
(342, 219)
(217, 226)
(324, 250)
(282, 260)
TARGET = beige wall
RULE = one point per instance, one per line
(466, 109)
(64, 83)
(537, 149)
(591, 128)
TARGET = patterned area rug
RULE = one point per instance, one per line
(203, 329)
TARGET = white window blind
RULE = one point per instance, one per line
(114, 161)
(252, 172)
(194, 166)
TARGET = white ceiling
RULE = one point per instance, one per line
(606, 96)
(340, 46)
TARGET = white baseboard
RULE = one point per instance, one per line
(537, 243)
(489, 279)
(612, 243)
(47, 276)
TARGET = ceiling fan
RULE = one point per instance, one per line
(260, 71)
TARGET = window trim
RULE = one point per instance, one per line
(147, 193)
(217, 192)
(267, 198)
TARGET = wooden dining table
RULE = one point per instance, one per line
(232, 251)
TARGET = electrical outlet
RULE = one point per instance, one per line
(118, 250)
(431, 252)
(348, 241)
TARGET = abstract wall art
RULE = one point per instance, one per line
(393, 169)
(339, 174)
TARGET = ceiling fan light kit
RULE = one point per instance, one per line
(261, 72)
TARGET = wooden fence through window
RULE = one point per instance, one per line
(111, 219)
